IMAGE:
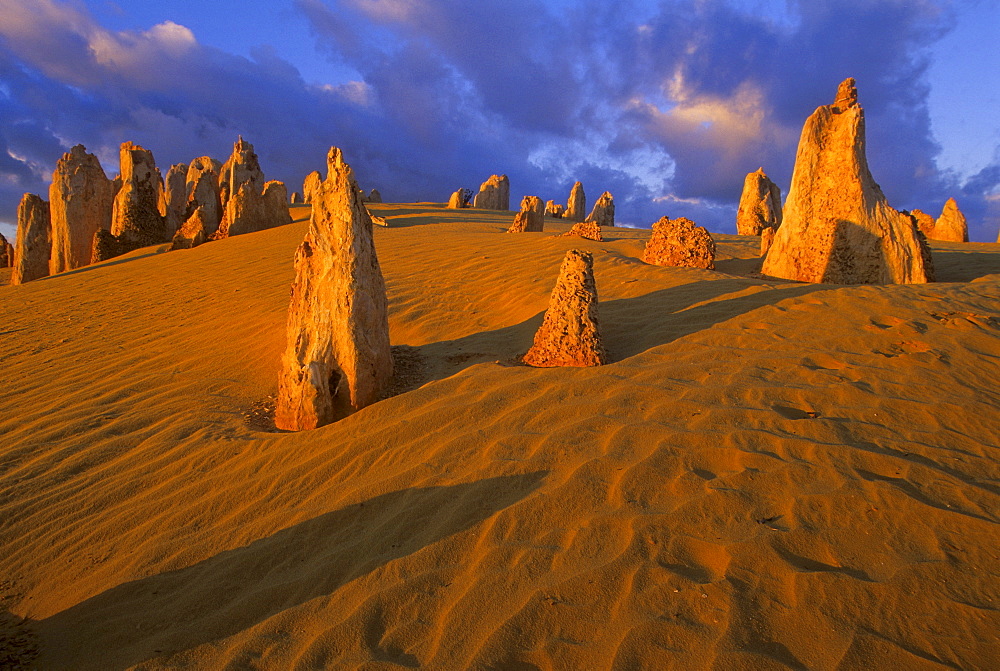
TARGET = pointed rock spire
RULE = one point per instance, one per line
(570, 333)
(577, 203)
(338, 359)
(603, 213)
(80, 200)
(760, 205)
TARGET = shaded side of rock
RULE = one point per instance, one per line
(494, 194)
(192, 232)
(680, 243)
(106, 245)
(136, 219)
(80, 202)
(577, 203)
(374, 196)
(951, 225)
(275, 204)
(760, 205)
(337, 359)
(837, 226)
(297, 198)
(603, 213)
(766, 238)
(173, 205)
(570, 332)
(924, 221)
(6, 253)
(33, 244)
(242, 213)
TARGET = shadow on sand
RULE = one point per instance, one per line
(240, 588)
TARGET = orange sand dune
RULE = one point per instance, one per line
(770, 475)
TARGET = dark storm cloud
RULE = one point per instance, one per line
(668, 106)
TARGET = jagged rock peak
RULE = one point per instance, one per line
(80, 203)
(576, 206)
(337, 359)
(847, 94)
(570, 332)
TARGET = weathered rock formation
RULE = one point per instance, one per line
(80, 203)
(951, 225)
(459, 199)
(760, 205)
(577, 203)
(766, 239)
(924, 221)
(106, 246)
(297, 198)
(374, 196)
(242, 213)
(570, 333)
(240, 168)
(192, 233)
(6, 253)
(680, 242)
(494, 194)
(136, 219)
(34, 243)
(173, 205)
(837, 226)
(275, 204)
(337, 359)
(603, 213)
(531, 218)
(586, 229)
(553, 209)
(310, 185)
(203, 191)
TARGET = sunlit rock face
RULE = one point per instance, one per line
(240, 168)
(494, 194)
(603, 213)
(192, 232)
(33, 245)
(136, 220)
(680, 243)
(531, 218)
(203, 192)
(553, 209)
(951, 225)
(459, 199)
(81, 198)
(337, 358)
(837, 226)
(576, 206)
(586, 229)
(570, 332)
(173, 204)
(310, 185)
(760, 205)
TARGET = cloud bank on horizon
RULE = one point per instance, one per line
(666, 104)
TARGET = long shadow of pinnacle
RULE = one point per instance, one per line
(240, 588)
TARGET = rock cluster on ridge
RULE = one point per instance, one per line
(337, 358)
(603, 213)
(136, 220)
(760, 204)
(837, 226)
(34, 243)
(240, 168)
(459, 199)
(531, 218)
(553, 209)
(252, 204)
(680, 242)
(577, 203)
(590, 230)
(570, 333)
(494, 194)
(81, 199)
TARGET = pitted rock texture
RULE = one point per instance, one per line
(136, 220)
(81, 198)
(576, 206)
(570, 332)
(603, 213)
(531, 218)
(837, 226)
(760, 205)
(553, 209)
(494, 194)
(586, 229)
(33, 244)
(680, 243)
(337, 359)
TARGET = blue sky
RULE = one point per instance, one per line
(666, 104)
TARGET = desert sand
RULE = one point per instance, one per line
(769, 475)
